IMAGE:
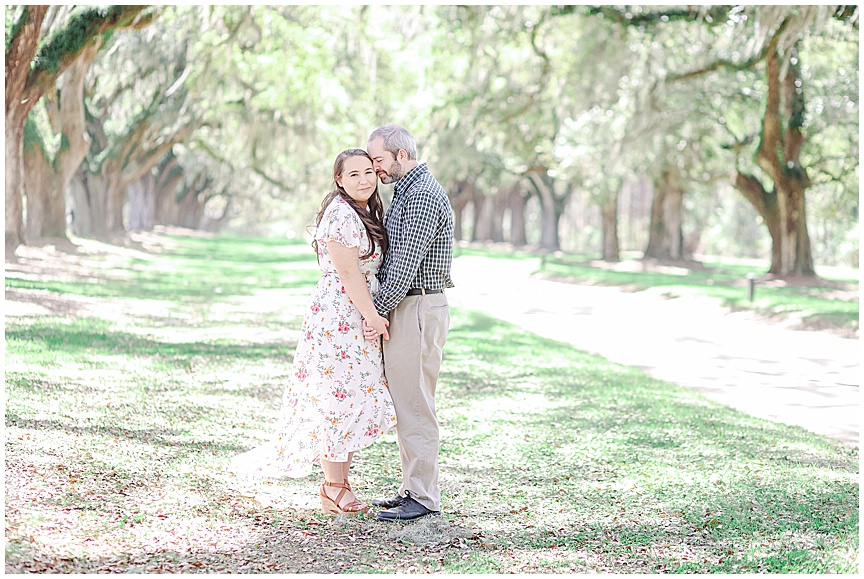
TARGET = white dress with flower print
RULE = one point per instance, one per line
(337, 399)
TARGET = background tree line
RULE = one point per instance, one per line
(594, 129)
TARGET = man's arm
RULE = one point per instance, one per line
(421, 223)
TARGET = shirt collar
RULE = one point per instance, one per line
(409, 177)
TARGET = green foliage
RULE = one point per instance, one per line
(275, 92)
(16, 17)
(33, 138)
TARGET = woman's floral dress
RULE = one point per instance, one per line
(337, 399)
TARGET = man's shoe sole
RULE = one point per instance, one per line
(414, 518)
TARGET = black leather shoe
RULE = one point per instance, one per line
(408, 510)
(393, 501)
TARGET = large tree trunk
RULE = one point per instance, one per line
(517, 216)
(783, 209)
(98, 203)
(20, 99)
(84, 213)
(142, 203)
(167, 208)
(483, 209)
(47, 180)
(461, 193)
(169, 175)
(549, 220)
(766, 206)
(115, 197)
(609, 211)
(14, 219)
(665, 238)
(28, 78)
(186, 207)
(551, 207)
(500, 202)
(191, 211)
(46, 214)
(191, 205)
(88, 193)
(109, 186)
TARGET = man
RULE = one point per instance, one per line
(413, 276)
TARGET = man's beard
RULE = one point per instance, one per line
(395, 174)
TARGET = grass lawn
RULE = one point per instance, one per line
(830, 302)
(133, 375)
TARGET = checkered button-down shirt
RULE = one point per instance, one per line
(419, 225)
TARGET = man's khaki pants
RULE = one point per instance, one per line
(412, 358)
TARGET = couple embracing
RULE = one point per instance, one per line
(379, 301)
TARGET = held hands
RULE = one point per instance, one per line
(374, 327)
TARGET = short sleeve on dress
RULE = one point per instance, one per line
(340, 223)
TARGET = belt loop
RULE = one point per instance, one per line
(422, 291)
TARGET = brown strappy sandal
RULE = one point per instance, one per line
(331, 506)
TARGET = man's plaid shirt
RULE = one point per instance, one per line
(419, 225)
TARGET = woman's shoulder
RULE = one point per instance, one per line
(338, 205)
(340, 212)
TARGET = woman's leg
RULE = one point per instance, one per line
(334, 472)
(347, 466)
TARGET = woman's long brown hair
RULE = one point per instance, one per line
(372, 217)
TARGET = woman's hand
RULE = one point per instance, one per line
(375, 326)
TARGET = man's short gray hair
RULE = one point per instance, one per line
(395, 138)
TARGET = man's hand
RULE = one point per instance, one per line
(377, 326)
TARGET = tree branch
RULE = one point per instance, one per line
(63, 47)
(713, 15)
(139, 165)
(768, 154)
(753, 191)
(848, 14)
(217, 157)
(21, 47)
(729, 64)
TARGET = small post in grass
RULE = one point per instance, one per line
(751, 286)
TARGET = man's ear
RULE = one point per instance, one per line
(401, 152)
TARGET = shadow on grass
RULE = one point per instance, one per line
(554, 458)
(166, 437)
(584, 445)
(194, 270)
(488, 359)
(87, 338)
(182, 288)
(822, 304)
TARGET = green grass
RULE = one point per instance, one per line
(121, 417)
(821, 304)
(195, 270)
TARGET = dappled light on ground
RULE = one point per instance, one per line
(683, 335)
(126, 402)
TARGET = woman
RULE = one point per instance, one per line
(337, 400)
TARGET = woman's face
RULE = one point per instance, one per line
(358, 179)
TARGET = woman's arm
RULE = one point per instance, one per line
(346, 260)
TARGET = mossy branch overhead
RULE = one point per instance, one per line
(64, 46)
(14, 25)
(638, 16)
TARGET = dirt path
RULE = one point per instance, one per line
(808, 379)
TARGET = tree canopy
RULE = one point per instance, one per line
(670, 130)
